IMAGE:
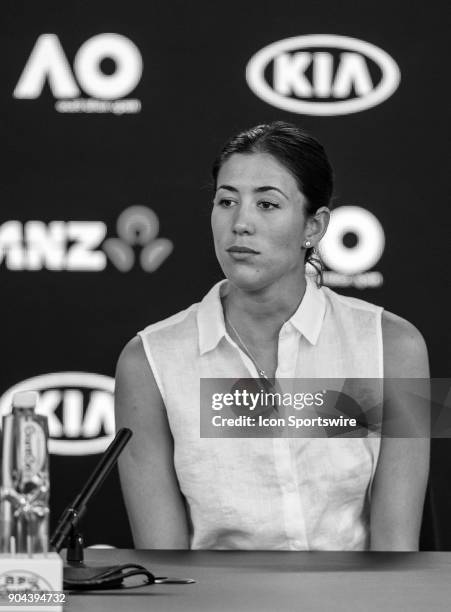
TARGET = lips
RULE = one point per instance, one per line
(241, 249)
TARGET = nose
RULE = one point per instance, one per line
(243, 222)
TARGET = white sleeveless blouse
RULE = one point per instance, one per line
(270, 493)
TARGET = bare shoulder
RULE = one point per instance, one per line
(398, 332)
(405, 350)
(135, 381)
(132, 354)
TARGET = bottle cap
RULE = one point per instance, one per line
(25, 399)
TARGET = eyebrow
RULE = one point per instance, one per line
(261, 189)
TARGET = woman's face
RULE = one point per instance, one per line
(258, 221)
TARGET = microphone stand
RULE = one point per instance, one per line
(67, 529)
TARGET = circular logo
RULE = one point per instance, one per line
(128, 66)
(366, 237)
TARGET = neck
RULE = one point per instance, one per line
(263, 311)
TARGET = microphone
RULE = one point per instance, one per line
(76, 575)
(72, 514)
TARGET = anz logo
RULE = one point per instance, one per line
(322, 74)
(83, 246)
(79, 407)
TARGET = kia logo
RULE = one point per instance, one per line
(322, 74)
(79, 407)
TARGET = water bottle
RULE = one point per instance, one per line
(24, 491)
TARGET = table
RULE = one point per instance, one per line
(277, 581)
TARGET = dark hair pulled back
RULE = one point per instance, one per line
(301, 154)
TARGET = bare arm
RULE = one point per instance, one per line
(401, 477)
(152, 496)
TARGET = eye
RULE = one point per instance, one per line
(266, 205)
(225, 202)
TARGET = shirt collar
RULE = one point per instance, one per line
(210, 318)
(307, 319)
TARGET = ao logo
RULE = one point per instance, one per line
(48, 61)
(84, 424)
(340, 83)
(369, 236)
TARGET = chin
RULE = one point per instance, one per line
(245, 279)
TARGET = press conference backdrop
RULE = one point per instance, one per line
(114, 114)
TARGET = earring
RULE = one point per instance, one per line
(308, 244)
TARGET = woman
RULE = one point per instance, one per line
(273, 184)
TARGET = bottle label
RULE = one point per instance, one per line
(33, 450)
